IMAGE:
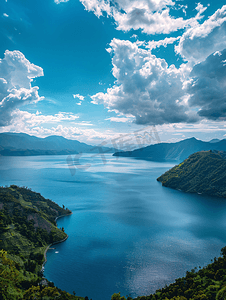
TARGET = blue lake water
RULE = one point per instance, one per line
(127, 233)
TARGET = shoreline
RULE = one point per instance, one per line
(54, 243)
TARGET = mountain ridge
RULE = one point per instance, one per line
(22, 144)
(174, 152)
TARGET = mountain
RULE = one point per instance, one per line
(173, 151)
(214, 141)
(24, 144)
(203, 173)
(27, 227)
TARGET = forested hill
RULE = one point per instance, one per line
(27, 220)
(203, 172)
(174, 151)
(27, 227)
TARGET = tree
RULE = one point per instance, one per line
(223, 252)
(36, 292)
(221, 295)
(117, 296)
(9, 276)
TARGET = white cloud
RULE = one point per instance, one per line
(38, 119)
(80, 97)
(98, 6)
(146, 87)
(156, 44)
(150, 16)
(59, 1)
(198, 42)
(134, 36)
(204, 126)
(5, 15)
(151, 23)
(200, 8)
(16, 75)
(118, 120)
(156, 93)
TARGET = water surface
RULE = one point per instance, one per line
(127, 233)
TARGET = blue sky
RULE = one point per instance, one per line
(94, 69)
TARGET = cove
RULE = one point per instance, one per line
(127, 233)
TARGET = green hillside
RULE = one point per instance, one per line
(27, 227)
(203, 172)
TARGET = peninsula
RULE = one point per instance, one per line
(27, 228)
(203, 172)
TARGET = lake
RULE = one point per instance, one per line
(127, 233)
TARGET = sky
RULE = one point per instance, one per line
(95, 70)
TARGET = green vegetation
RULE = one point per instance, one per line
(27, 227)
(203, 172)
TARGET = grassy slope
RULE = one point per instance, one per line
(27, 226)
(203, 172)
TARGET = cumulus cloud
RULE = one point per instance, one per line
(149, 89)
(198, 42)
(207, 87)
(146, 87)
(150, 16)
(157, 93)
(16, 75)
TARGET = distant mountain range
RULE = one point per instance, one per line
(21, 144)
(174, 152)
(203, 173)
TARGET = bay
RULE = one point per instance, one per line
(127, 233)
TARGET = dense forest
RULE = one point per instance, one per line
(27, 227)
(203, 172)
